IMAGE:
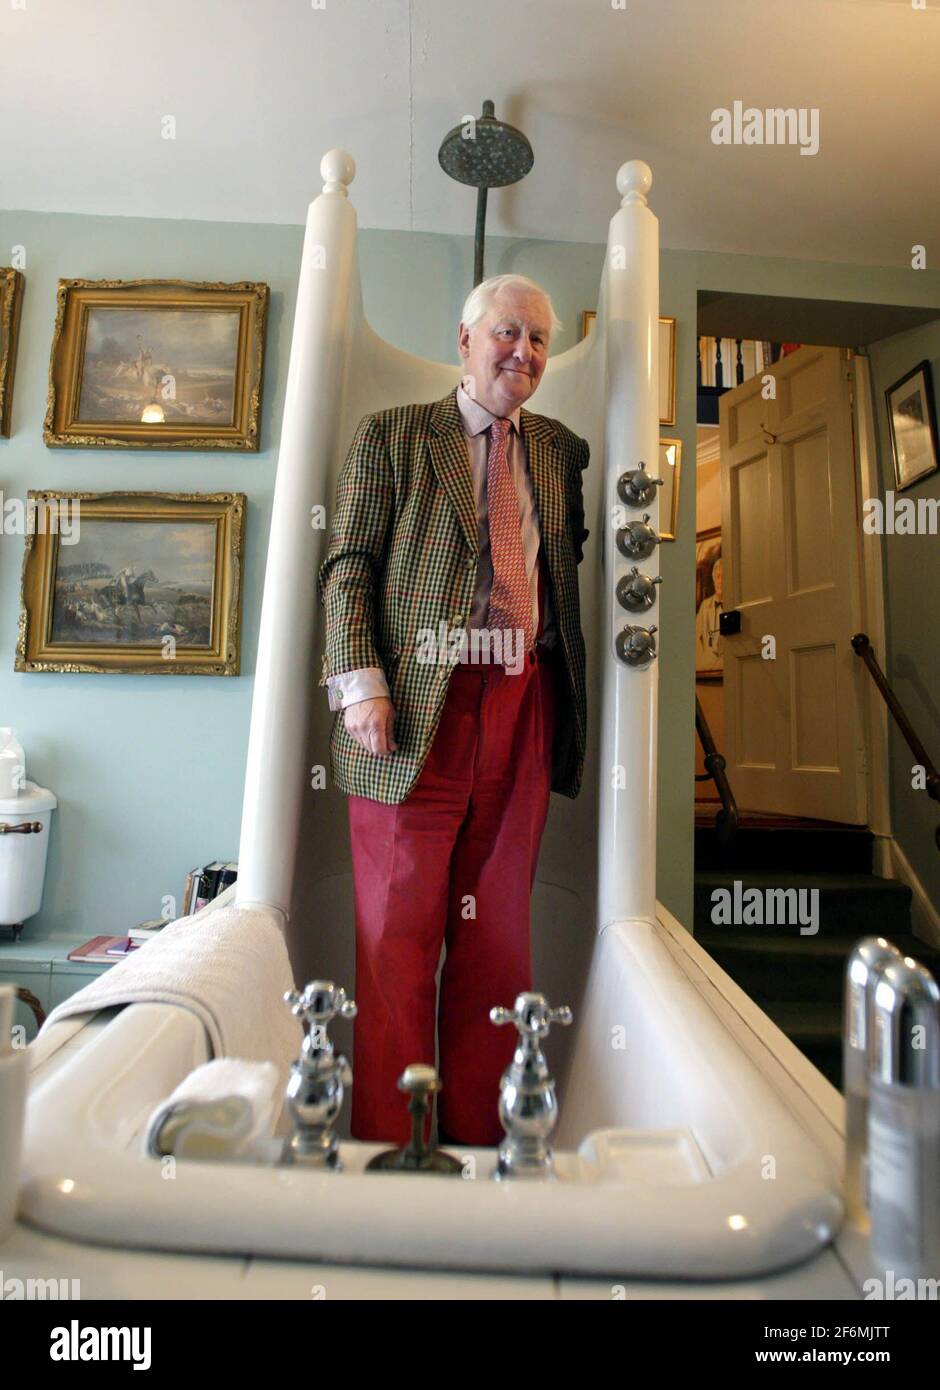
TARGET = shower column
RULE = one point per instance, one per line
(627, 775)
(327, 314)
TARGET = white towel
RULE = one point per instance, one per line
(223, 1109)
(227, 965)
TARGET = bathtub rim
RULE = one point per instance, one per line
(104, 1177)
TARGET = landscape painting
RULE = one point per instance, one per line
(142, 583)
(156, 364)
(135, 583)
(183, 361)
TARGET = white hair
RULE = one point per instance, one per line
(481, 297)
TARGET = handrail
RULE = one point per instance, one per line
(726, 820)
(861, 645)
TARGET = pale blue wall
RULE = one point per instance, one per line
(149, 770)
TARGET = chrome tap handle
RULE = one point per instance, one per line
(318, 1079)
(528, 1110)
(637, 591)
(636, 488)
(636, 645)
(532, 1015)
(320, 1001)
(637, 540)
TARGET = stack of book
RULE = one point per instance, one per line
(202, 885)
(106, 949)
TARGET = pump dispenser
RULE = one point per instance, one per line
(862, 967)
(904, 1121)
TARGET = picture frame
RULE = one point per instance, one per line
(156, 364)
(667, 363)
(138, 583)
(912, 426)
(670, 464)
(12, 283)
(708, 594)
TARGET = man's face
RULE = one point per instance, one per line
(716, 579)
(506, 352)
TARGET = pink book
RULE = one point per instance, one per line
(97, 949)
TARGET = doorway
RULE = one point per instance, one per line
(786, 459)
(780, 481)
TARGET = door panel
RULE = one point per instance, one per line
(791, 565)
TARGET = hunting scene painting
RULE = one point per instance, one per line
(183, 361)
(156, 364)
(136, 583)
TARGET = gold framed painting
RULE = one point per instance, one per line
(667, 363)
(11, 302)
(708, 605)
(141, 583)
(156, 364)
(670, 463)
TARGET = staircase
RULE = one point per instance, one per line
(798, 980)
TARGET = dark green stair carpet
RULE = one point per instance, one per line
(798, 980)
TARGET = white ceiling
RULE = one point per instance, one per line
(259, 89)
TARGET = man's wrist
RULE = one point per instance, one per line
(352, 687)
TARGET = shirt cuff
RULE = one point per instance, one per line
(349, 687)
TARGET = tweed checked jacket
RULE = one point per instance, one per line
(402, 558)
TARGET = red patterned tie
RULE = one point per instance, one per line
(510, 603)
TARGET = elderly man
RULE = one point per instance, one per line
(454, 649)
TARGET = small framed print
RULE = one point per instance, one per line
(667, 371)
(156, 364)
(670, 459)
(708, 604)
(667, 363)
(11, 302)
(144, 583)
(912, 424)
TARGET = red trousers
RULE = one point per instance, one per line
(454, 862)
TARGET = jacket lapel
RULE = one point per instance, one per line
(451, 462)
(546, 469)
(448, 445)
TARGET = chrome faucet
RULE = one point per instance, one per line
(318, 1079)
(528, 1110)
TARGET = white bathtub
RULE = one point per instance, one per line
(705, 1148)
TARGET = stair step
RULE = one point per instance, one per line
(834, 848)
(790, 967)
(849, 904)
(816, 1029)
(769, 966)
(815, 1023)
(798, 980)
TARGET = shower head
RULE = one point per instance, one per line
(487, 154)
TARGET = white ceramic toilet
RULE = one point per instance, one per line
(23, 852)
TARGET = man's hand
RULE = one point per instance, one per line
(372, 723)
